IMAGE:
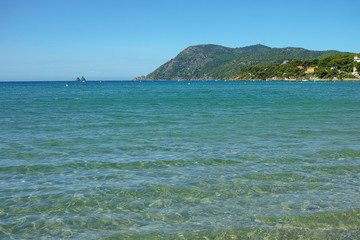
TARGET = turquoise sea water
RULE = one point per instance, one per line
(180, 160)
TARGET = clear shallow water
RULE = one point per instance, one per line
(173, 160)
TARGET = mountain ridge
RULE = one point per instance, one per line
(211, 61)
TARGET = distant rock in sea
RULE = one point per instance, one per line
(80, 80)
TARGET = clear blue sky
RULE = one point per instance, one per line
(121, 39)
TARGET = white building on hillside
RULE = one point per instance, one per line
(356, 71)
(356, 58)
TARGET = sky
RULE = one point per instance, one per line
(57, 40)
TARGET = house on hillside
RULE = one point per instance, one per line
(311, 69)
(356, 58)
(356, 71)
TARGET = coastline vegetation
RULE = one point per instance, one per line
(335, 67)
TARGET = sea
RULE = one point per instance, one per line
(180, 160)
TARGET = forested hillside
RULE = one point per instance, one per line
(207, 62)
(333, 67)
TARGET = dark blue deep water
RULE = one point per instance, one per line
(180, 160)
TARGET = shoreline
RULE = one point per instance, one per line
(256, 80)
(302, 80)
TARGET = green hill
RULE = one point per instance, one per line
(207, 62)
